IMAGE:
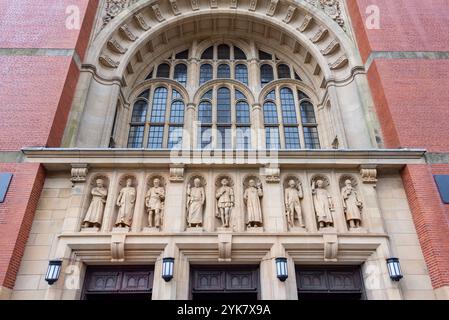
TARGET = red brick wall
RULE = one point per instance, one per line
(412, 101)
(36, 92)
(16, 216)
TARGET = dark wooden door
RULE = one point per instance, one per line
(123, 282)
(329, 283)
(224, 282)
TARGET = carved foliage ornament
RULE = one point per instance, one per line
(113, 9)
(331, 8)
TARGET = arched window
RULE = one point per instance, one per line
(223, 52)
(289, 118)
(137, 128)
(163, 71)
(182, 55)
(181, 74)
(266, 74)
(239, 54)
(208, 54)
(241, 73)
(206, 73)
(224, 71)
(284, 72)
(272, 140)
(205, 119)
(157, 121)
(175, 131)
(243, 122)
(264, 55)
(224, 139)
(311, 138)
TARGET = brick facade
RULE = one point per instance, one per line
(408, 77)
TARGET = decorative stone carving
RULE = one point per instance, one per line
(196, 198)
(290, 13)
(320, 35)
(369, 175)
(306, 23)
(293, 194)
(331, 47)
(252, 5)
(140, 20)
(118, 246)
(251, 196)
(94, 215)
(225, 200)
(352, 205)
(272, 174)
(107, 61)
(330, 240)
(322, 201)
(113, 9)
(126, 33)
(115, 46)
(176, 174)
(214, 4)
(234, 4)
(272, 7)
(79, 172)
(331, 8)
(126, 201)
(339, 63)
(224, 247)
(175, 8)
(157, 12)
(195, 4)
(154, 202)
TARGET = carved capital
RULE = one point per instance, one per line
(79, 172)
(224, 247)
(368, 174)
(177, 174)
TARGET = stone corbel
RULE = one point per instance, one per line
(158, 13)
(118, 247)
(368, 174)
(339, 63)
(175, 7)
(127, 34)
(306, 23)
(140, 20)
(195, 4)
(330, 240)
(107, 61)
(331, 48)
(252, 5)
(224, 247)
(272, 7)
(176, 173)
(234, 4)
(290, 13)
(214, 4)
(320, 35)
(115, 46)
(79, 172)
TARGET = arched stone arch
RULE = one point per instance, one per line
(224, 83)
(133, 95)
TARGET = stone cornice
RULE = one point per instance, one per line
(56, 159)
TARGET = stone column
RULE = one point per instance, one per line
(188, 134)
(175, 210)
(257, 127)
(272, 202)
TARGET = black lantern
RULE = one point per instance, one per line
(394, 269)
(281, 269)
(53, 271)
(167, 268)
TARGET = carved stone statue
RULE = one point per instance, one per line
(154, 201)
(322, 201)
(196, 197)
(252, 197)
(94, 215)
(126, 201)
(293, 195)
(352, 205)
(225, 202)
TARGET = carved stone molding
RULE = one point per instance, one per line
(158, 13)
(272, 175)
(118, 247)
(115, 46)
(252, 5)
(339, 63)
(127, 34)
(330, 240)
(175, 7)
(176, 174)
(107, 61)
(141, 22)
(331, 8)
(225, 247)
(79, 172)
(369, 175)
(272, 7)
(290, 13)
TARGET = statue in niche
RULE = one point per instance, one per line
(154, 201)
(196, 197)
(225, 202)
(293, 195)
(94, 215)
(322, 201)
(126, 201)
(352, 205)
(252, 197)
